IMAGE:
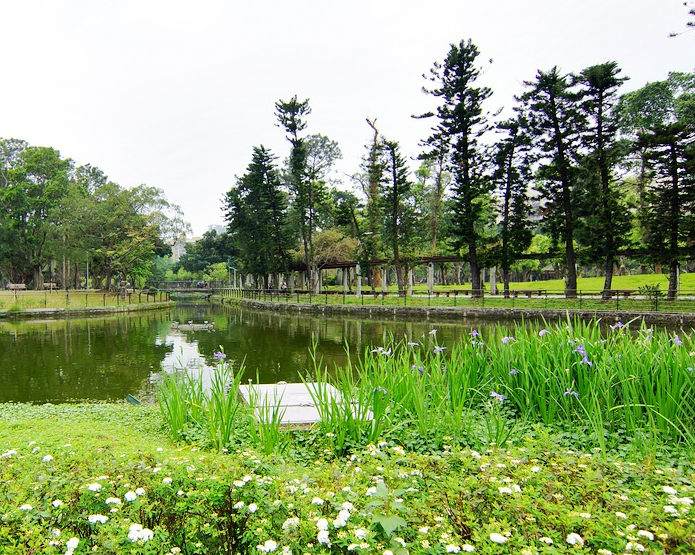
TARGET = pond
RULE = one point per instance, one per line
(107, 358)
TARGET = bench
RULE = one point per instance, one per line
(454, 292)
(616, 293)
(528, 292)
(50, 286)
(16, 286)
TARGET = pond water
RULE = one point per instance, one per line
(107, 358)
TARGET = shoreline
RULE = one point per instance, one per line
(31, 313)
(459, 313)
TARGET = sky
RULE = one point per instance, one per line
(176, 94)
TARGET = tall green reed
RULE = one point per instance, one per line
(187, 403)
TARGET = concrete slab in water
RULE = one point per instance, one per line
(293, 401)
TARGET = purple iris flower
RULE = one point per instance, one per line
(497, 396)
(513, 372)
(474, 333)
(506, 340)
(571, 391)
(677, 340)
(543, 332)
(219, 355)
(438, 349)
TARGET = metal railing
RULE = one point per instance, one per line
(619, 300)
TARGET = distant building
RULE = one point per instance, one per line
(178, 249)
(219, 229)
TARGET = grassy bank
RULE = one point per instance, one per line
(28, 300)
(104, 479)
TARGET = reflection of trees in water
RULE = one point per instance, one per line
(277, 345)
(94, 358)
(107, 358)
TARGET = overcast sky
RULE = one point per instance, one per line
(176, 94)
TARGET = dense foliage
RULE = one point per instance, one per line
(61, 223)
(603, 177)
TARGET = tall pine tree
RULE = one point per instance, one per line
(461, 123)
(605, 218)
(556, 124)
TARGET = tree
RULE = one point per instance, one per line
(606, 219)
(461, 123)
(660, 118)
(291, 116)
(671, 194)
(511, 176)
(556, 124)
(256, 214)
(433, 183)
(35, 181)
(398, 209)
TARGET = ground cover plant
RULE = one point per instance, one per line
(104, 479)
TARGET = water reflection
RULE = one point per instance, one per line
(110, 357)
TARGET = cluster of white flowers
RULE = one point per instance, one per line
(137, 533)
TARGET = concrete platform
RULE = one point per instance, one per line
(292, 401)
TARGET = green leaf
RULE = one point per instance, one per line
(389, 523)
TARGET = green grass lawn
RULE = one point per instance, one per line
(26, 300)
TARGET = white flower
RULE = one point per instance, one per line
(547, 540)
(388, 552)
(25, 507)
(72, 543)
(516, 488)
(253, 507)
(112, 501)
(239, 505)
(137, 533)
(94, 487)
(620, 515)
(47, 459)
(670, 490)
(130, 496)
(370, 491)
(670, 509)
(646, 534)
(323, 537)
(585, 515)
(497, 538)
(361, 533)
(574, 539)
(97, 518)
(604, 552)
(322, 524)
(140, 491)
(347, 506)
(535, 469)
(268, 547)
(57, 503)
(290, 523)
(8, 454)
(247, 478)
(468, 547)
(451, 548)
(634, 547)
(684, 500)
(423, 529)
(167, 480)
(317, 501)
(505, 489)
